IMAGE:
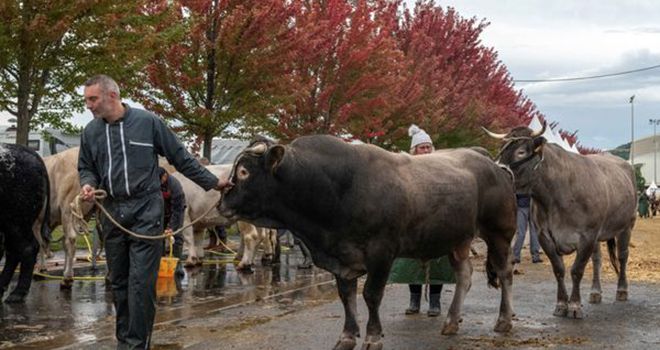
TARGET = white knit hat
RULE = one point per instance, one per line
(419, 136)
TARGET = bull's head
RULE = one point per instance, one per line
(254, 178)
(522, 152)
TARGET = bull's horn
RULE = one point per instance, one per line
(539, 132)
(258, 148)
(494, 135)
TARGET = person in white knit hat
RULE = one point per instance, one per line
(413, 272)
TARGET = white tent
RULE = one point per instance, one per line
(551, 135)
(651, 189)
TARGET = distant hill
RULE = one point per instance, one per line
(622, 151)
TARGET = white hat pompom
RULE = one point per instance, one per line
(419, 136)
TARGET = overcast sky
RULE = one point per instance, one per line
(540, 39)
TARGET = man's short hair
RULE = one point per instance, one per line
(106, 83)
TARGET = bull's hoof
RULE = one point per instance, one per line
(267, 260)
(372, 343)
(621, 295)
(345, 343)
(450, 328)
(198, 261)
(575, 311)
(561, 310)
(503, 326)
(15, 298)
(66, 284)
(189, 263)
(595, 298)
(244, 268)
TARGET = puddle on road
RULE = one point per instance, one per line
(53, 318)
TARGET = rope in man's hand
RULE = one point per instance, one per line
(99, 195)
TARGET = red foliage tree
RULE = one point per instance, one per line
(347, 69)
(462, 83)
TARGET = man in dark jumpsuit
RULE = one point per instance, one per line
(175, 204)
(119, 152)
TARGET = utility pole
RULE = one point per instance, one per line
(632, 131)
(655, 122)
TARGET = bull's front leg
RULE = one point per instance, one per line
(561, 309)
(463, 271)
(69, 251)
(347, 290)
(584, 252)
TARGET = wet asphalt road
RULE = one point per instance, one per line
(214, 307)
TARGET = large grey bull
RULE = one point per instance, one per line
(358, 207)
(579, 201)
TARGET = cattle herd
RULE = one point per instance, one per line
(358, 207)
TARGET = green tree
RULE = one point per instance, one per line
(225, 69)
(49, 47)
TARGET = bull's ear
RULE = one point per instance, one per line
(274, 157)
(539, 142)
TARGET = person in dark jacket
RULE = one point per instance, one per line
(524, 220)
(413, 271)
(174, 201)
(119, 152)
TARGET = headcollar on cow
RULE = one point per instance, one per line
(514, 139)
(259, 147)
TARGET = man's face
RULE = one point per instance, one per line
(97, 101)
(424, 148)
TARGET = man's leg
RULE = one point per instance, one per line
(145, 260)
(534, 246)
(520, 235)
(116, 252)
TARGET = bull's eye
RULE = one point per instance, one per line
(242, 173)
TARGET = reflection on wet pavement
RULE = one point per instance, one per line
(52, 318)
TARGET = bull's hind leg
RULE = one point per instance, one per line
(596, 292)
(347, 290)
(28, 258)
(622, 244)
(463, 271)
(499, 266)
(69, 255)
(561, 309)
(11, 261)
(378, 267)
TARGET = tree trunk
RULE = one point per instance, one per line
(208, 143)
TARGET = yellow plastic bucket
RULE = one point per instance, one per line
(166, 287)
(167, 266)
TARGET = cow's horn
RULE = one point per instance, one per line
(539, 132)
(494, 135)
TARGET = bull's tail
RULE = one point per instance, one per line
(491, 264)
(45, 222)
(611, 250)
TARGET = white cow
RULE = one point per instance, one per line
(198, 202)
(251, 237)
(64, 186)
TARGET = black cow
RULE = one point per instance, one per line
(23, 221)
(358, 207)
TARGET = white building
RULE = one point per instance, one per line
(45, 143)
(645, 155)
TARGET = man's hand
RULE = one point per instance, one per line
(223, 185)
(87, 193)
(168, 231)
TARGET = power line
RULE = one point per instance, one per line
(585, 78)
